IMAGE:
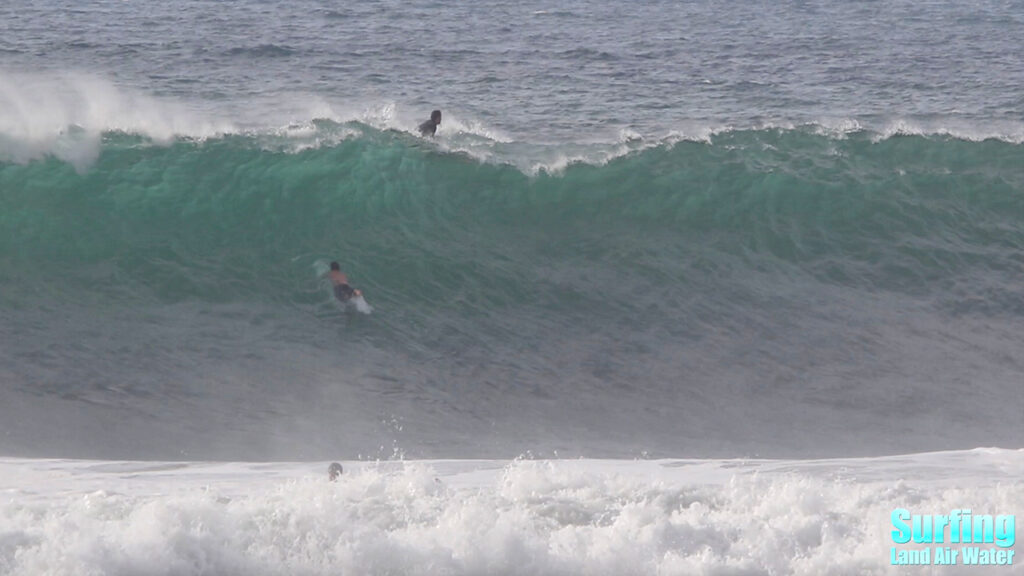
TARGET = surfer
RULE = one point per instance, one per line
(342, 291)
(429, 128)
(333, 471)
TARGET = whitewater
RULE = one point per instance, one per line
(678, 288)
(485, 517)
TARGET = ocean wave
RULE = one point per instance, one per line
(837, 281)
(794, 194)
(68, 116)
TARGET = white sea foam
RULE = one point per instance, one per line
(65, 115)
(1012, 132)
(485, 517)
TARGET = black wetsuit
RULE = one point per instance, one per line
(428, 128)
(343, 292)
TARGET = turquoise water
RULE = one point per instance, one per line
(655, 229)
(231, 220)
(692, 293)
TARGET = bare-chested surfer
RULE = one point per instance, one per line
(342, 291)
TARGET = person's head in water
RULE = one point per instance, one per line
(335, 266)
(333, 471)
(435, 117)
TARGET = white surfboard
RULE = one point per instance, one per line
(361, 304)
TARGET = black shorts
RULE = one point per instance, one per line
(343, 292)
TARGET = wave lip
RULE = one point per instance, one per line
(67, 115)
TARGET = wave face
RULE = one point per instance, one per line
(775, 292)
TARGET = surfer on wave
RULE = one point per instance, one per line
(342, 291)
(429, 128)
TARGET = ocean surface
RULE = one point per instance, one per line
(645, 231)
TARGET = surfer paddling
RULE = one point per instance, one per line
(429, 128)
(342, 291)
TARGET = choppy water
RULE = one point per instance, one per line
(540, 71)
